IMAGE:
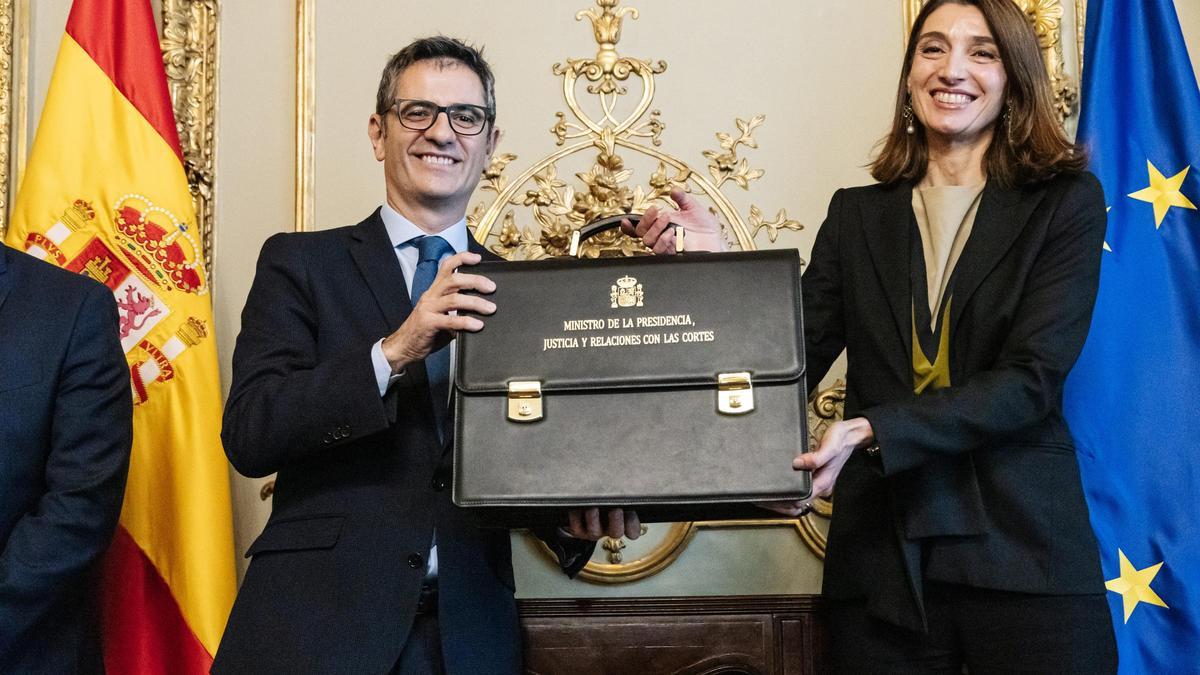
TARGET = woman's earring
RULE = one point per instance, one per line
(909, 129)
(1007, 119)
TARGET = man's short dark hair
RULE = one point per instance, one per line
(447, 52)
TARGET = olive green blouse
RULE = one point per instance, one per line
(944, 217)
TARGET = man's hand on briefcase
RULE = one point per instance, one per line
(432, 323)
(840, 440)
(703, 231)
(590, 524)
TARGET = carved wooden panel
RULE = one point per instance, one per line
(751, 635)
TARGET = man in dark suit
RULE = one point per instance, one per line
(66, 427)
(340, 384)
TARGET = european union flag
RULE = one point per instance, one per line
(1133, 399)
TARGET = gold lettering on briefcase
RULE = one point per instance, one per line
(627, 292)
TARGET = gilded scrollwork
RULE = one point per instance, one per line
(189, 45)
(8, 63)
(781, 222)
(725, 165)
(1046, 18)
(620, 132)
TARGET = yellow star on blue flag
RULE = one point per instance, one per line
(1134, 585)
(1163, 192)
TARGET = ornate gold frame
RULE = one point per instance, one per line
(14, 95)
(305, 114)
(190, 49)
(1046, 17)
(190, 44)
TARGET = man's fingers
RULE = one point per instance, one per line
(633, 526)
(665, 243)
(647, 220)
(451, 263)
(591, 519)
(789, 508)
(575, 521)
(458, 323)
(458, 302)
(653, 234)
(616, 523)
(453, 283)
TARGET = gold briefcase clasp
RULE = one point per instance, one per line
(524, 401)
(735, 394)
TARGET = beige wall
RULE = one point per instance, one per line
(822, 72)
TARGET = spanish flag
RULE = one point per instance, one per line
(105, 194)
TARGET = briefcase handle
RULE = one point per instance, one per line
(610, 222)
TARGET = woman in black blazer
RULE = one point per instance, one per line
(961, 287)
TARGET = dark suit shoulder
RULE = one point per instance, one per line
(51, 278)
(1085, 185)
(1082, 183)
(871, 191)
(296, 247)
(69, 293)
(1070, 195)
(317, 239)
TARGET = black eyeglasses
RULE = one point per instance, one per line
(466, 119)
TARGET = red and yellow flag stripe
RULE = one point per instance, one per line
(105, 194)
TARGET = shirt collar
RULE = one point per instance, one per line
(400, 230)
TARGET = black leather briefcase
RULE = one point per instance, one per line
(674, 385)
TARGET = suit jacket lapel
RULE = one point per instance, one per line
(1002, 216)
(888, 235)
(376, 260)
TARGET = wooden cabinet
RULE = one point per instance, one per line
(726, 635)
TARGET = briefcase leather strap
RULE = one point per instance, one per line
(605, 224)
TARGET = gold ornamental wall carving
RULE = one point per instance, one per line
(1046, 17)
(612, 122)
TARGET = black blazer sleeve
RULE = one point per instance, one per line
(286, 401)
(821, 288)
(91, 433)
(1025, 383)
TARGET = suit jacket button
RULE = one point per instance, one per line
(416, 561)
(439, 483)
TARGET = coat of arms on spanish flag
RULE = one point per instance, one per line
(105, 194)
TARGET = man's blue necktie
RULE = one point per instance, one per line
(431, 250)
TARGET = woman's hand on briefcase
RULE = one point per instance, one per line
(703, 231)
(591, 524)
(433, 323)
(840, 440)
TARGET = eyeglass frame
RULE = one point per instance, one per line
(489, 115)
